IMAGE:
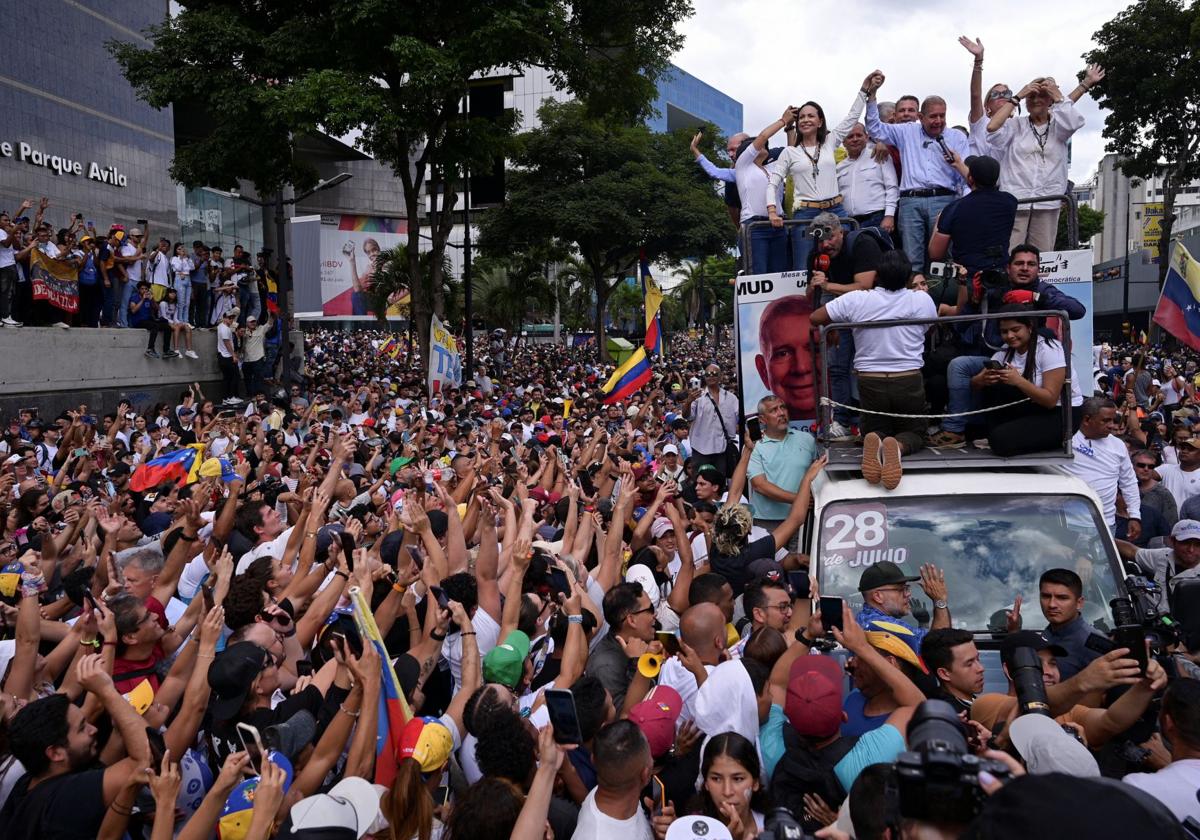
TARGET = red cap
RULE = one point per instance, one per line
(547, 420)
(814, 696)
(369, 422)
(656, 717)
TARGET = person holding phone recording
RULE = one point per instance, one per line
(1032, 368)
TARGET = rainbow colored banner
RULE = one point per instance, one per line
(1178, 310)
(394, 712)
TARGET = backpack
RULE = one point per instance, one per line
(882, 238)
(802, 770)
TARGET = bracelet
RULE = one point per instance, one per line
(575, 619)
(185, 538)
(205, 656)
(437, 637)
(343, 708)
(121, 810)
(92, 643)
(106, 642)
(340, 573)
(398, 588)
(472, 633)
(311, 534)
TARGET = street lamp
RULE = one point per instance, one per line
(284, 278)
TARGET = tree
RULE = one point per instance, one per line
(396, 72)
(508, 290)
(391, 281)
(1149, 52)
(1091, 222)
(609, 190)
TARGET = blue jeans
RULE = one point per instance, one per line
(125, 290)
(870, 219)
(918, 217)
(962, 397)
(183, 297)
(802, 243)
(248, 301)
(841, 364)
(768, 248)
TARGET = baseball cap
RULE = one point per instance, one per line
(292, 735)
(398, 463)
(506, 661)
(1046, 748)
(814, 696)
(661, 526)
(698, 827)
(1185, 529)
(347, 811)
(656, 716)
(884, 573)
(670, 449)
(426, 741)
(1028, 638)
(231, 675)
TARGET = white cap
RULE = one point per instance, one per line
(1046, 748)
(661, 526)
(670, 449)
(640, 573)
(352, 803)
(697, 827)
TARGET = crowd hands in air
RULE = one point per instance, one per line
(597, 632)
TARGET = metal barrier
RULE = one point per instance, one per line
(745, 246)
(825, 411)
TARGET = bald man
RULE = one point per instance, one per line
(702, 640)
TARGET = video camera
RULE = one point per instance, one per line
(938, 779)
(781, 824)
(1143, 608)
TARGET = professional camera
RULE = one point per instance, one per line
(1144, 607)
(937, 779)
(1025, 668)
(781, 824)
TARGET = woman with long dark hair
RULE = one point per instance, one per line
(1034, 368)
(732, 789)
(812, 168)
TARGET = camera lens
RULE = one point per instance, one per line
(1122, 610)
(1025, 668)
(935, 727)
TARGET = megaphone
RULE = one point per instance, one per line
(649, 664)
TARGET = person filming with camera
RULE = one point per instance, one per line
(987, 292)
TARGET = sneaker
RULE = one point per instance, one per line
(62, 325)
(837, 433)
(152, 354)
(230, 401)
(191, 354)
(871, 466)
(10, 322)
(171, 354)
(946, 440)
(891, 471)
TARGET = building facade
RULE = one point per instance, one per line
(73, 129)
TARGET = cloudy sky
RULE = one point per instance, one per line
(792, 53)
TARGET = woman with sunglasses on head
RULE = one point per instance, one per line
(1034, 152)
(1031, 372)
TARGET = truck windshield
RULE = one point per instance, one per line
(991, 550)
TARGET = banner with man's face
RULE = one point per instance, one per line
(775, 344)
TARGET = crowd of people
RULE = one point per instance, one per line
(81, 275)
(597, 614)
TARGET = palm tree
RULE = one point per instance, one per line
(507, 291)
(391, 279)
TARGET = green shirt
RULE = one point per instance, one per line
(784, 463)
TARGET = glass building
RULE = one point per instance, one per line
(685, 102)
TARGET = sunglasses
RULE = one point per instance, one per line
(999, 94)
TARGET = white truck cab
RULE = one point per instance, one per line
(993, 531)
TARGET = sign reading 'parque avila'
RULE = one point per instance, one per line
(105, 174)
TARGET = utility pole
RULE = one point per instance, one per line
(468, 295)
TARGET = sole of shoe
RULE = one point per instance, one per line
(937, 443)
(891, 471)
(872, 469)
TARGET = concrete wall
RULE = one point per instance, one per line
(56, 369)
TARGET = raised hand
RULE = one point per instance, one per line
(91, 674)
(1093, 76)
(975, 47)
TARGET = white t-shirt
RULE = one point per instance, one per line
(274, 548)
(224, 334)
(885, 349)
(1183, 485)
(133, 271)
(160, 269)
(1049, 357)
(678, 677)
(594, 825)
(1174, 786)
(487, 636)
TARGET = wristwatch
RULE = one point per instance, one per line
(940, 605)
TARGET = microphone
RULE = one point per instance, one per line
(946, 154)
(821, 262)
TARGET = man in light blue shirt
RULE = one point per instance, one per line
(932, 172)
(778, 464)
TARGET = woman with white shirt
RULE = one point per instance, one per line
(1032, 367)
(811, 165)
(182, 267)
(1035, 157)
(768, 245)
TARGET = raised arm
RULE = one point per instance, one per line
(1092, 76)
(975, 48)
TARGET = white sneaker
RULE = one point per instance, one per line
(837, 433)
(230, 401)
(62, 325)
(191, 354)
(10, 322)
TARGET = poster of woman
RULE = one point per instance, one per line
(350, 253)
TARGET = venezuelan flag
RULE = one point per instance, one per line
(181, 466)
(390, 348)
(1178, 310)
(394, 712)
(653, 302)
(628, 378)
